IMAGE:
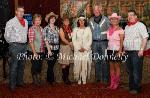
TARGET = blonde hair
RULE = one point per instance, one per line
(36, 16)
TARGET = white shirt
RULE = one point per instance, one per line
(134, 35)
(15, 32)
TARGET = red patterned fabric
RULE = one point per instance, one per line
(132, 23)
(22, 22)
(31, 36)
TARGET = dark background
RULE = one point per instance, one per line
(43, 7)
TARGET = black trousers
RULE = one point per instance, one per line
(51, 62)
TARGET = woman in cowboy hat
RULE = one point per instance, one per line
(51, 37)
(82, 40)
(115, 36)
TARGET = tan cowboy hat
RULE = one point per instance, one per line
(114, 15)
(49, 15)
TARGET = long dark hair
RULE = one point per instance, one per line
(85, 22)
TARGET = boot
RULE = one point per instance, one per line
(67, 75)
(35, 80)
(112, 81)
(64, 74)
(39, 79)
(116, 82)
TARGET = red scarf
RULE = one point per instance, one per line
(132, 23)
(22, 22)
(112, 30)
(67, 29)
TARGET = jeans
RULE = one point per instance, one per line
(16, 64)
(36, 63)
(101, 65)
(51, 62)
(134, 66)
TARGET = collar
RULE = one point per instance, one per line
(132, 23)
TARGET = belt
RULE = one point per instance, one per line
(18, 43)
(100, 40)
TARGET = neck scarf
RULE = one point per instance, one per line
(22, 22)
(112, 30)
(132, 23)
(97, 19)
(67, 29)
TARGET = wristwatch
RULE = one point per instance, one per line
(142, 49)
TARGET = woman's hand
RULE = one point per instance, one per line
(35, 55)
(119, 54)
(71, 45)
(49, 53)
(82, 50)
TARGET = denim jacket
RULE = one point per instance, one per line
(97, 29)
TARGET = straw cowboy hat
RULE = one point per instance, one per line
(49, 15)
(114, 15)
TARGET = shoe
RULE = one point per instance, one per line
(38, 79)
(134, 92)
(67, 82)
(21, 85)
(11, 89)
(79, 82)
(84, 83)
(34, 77)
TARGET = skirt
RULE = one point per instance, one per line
(113, 57)
(65, 55)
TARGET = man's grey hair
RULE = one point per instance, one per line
(97, 4)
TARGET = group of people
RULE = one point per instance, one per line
(100, 40)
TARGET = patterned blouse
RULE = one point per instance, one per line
(52, 36)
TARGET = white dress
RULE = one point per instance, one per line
(82, 38)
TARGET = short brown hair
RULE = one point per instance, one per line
(133, 11)
(36, 16)
(19, 6)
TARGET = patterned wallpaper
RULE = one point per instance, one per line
(77, 7)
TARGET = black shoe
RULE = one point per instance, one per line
(134, 92)
(11, 89)
(97, 81)
(51, 83)
(21, 85)
(68, 82)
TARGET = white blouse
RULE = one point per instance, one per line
(82, 38)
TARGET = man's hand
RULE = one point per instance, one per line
(140, 53)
